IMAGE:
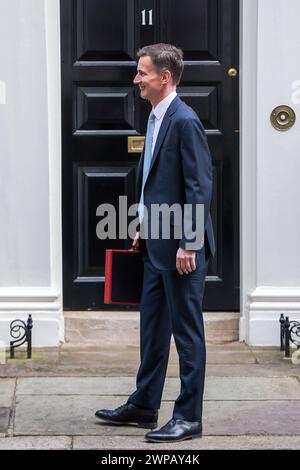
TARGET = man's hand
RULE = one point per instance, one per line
(185, 261)
(135, 243)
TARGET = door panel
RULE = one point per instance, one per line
(101, 108)
(193, 26)
(104, 30)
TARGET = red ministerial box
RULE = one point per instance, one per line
(123, 277)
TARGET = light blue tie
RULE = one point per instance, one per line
(147, 160)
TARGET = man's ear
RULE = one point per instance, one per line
(166, 76)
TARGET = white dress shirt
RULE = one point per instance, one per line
(159, 111)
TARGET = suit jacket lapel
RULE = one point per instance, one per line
(160, 138)
(164, 127)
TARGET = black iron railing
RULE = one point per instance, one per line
(289, 333)
(22, 332)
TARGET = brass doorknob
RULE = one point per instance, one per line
(232, 72)
(283, 118)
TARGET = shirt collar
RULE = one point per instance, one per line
(163, 105)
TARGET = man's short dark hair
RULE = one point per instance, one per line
(165, 57)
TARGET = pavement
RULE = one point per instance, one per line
(251, 401)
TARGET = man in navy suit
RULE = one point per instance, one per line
(175, 168)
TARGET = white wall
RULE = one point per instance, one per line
(278, 162)
(30, 273)
(271, 260)
(24, 185)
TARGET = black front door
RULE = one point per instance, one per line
(102, 111)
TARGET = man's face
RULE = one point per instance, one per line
(148, 80)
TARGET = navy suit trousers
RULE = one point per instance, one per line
(172, 304)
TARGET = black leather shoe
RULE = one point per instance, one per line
(130, 414)
(176, 430)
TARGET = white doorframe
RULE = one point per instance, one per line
(52, 14)
(248, 154)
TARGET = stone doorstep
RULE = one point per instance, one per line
(113, 327)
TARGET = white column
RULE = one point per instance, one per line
(30, 194)
(270, 169)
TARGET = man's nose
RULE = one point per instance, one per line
(136, 79)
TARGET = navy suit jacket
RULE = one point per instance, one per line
(180, 172)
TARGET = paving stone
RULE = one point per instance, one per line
(53, 415)
(98, 360)
(119, 369)
(253, 370)
(219, 356)
(4, 420)
(269, 356)
(252, 398)
(36, 443)
(74, 415)
(229, 346)
(205, 443)
(89, 386)
(216, 388)
(7, 387)
(95, 358)
(75, 386)
(71, 370)
(252, 417)
(251, 388)
(138, 442)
